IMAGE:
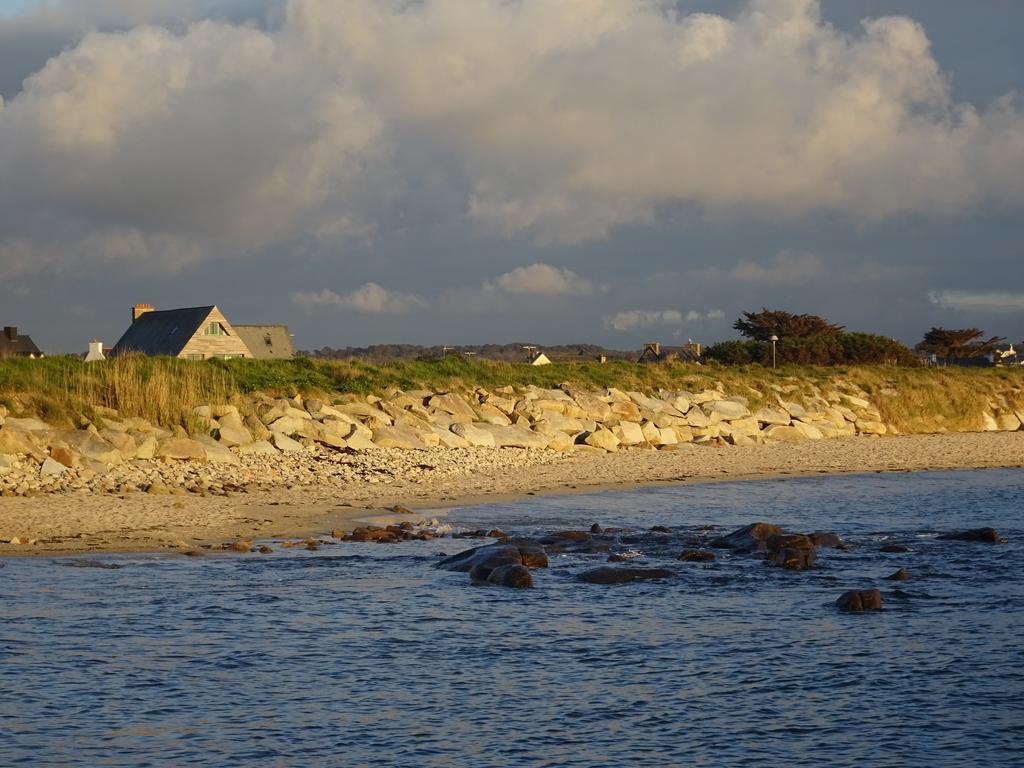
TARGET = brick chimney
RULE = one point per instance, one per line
(11, 332)
(139, 310)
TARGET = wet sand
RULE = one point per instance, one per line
(74, 523)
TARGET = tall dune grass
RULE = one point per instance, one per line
(165, 390)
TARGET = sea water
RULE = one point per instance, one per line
(367, 655)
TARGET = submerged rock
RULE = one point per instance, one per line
(750, 538)
(791, 550)
(901, 575)
(894, 548)
(696, 555)
(609, 575)
(985, 535)
(515, 576)
(480, 561)
(857, 600)
(827, 539)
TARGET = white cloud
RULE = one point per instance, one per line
(978, 301)
(542, 280)
(786, 268)
(370, 299)
(560, 120)
(635, 319)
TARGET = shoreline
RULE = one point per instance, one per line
(74, 524)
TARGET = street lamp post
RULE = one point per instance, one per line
(774, 339)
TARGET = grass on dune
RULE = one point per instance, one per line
(165, 390)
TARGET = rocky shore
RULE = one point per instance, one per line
(294, 466)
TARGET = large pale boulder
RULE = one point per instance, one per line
(809, 431)
(259, 447)
(726, 410)
(366, 412)
(795, 410)
(625, 411)
(515, 436)
(748, 426)
(603, 438)
(1008, 422)
(453, 404)
(217, 453)
(290, 425)
(869, 427)
(593, 407)
(491, 414)
(560, 441)
(284, 443)
(784, 434)
(695, 417)
(557, 422)
(147, 448)
(26, 425)
(473, 435)
(16, 442)
(770, 415)
(180, 449)
(360, 439)
(231, 420)
(628, 433)
(397, 436)
(51, 468)
(122, 441)
(449, 439)
(284, 409)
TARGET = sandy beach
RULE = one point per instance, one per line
(69, 523)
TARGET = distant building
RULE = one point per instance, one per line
(655, 353)
(540, 359)
(267, 342)
(14, 345)
(193, 333)
(95, 353)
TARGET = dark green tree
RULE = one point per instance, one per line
(761, 326)
(958, 343)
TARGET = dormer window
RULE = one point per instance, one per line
(215, 329)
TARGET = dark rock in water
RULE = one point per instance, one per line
(595, 528)
(240, 546)
(490, 556)
(494, 533)
(555, 538)
(91, 564)
(696, 556)
(660, 529)
(791, 550)
(516, 576)
(894, 548)
(901, 575)
(827, 540)
(860, 600)
(622, 557)
(608, 575)
(986, 535)
(750, 538)
(265, 550)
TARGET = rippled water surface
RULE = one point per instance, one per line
(365, 655)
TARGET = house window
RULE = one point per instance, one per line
(195, 356)
(215, 329)
(268, 341)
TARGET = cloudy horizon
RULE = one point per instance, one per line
(470, 171)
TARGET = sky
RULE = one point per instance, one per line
(551, 171)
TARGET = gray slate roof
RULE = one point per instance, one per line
(13, 344)
(267, 342)
(162, 332)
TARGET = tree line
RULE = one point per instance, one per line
(812, 340)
